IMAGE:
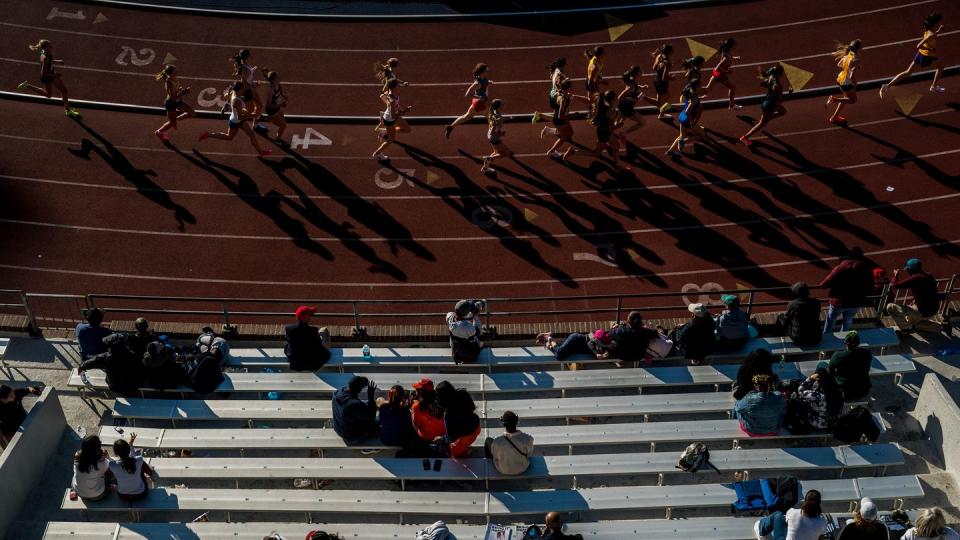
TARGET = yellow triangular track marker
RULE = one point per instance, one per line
(633, 254)
(908, 102)
(100, 18)
(700, 49)
(169, 59)
(530, 215)
(798, 77)
(616, 26)
(432, 177)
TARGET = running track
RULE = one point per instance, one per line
(102, 206)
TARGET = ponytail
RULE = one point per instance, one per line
(479, 69)
(557, 64)
(593, 52)
(693, 62)
(121, 449)
(664, 49)
(844, 49)
(166, 72)
(40, 46)
(494, 109)
(726, 45)
(932, 20)
(630, 74)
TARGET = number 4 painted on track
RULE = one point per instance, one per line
(311, 136)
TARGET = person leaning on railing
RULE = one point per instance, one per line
(850, 282)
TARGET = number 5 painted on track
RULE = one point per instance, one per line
(311, 136)
(147, 54)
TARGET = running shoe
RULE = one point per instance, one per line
(838, 120)
(447, 130)
(736, 107)
(536, 116)
(883, 90)
(664, 116)
(938, 89)
(264, 153)
(203, 136)
(261, 129)
(73, 113)
(747, 142)
(381, 157)
(555, 155)
(161, 135)
(23, 86)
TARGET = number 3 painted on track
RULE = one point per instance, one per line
(704, 290)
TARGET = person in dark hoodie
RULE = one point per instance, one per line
(124, 369)
(143, 336)
(850, 282)
(306, 345)
(396, 422)
(355, 420)
(631, 338)
(462, 423)
(695, 340)
(161, 370)
(758, 362)
(801, 321)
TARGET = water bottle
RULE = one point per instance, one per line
(783, 360)
(366, 351)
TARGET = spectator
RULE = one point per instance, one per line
(511, 451)
(463, 324)
(90, 334)
(865, 525)
(210, 341)
(353, 419)
(850, 282)
(553, 529)
(124, 370)
(396, 421)
(91, 470)
(805, 523)
(426, 412)
(733, 326)
(141, 337)
(851, 368)
(801, 321)
(695, 340)
(459, 419)
(631, 338)
(598, 344)
(437, 531)
(161, 370)
(130, 471)
(758, 362)
(306, 345)
(322, 535)
(816, 404)
(931, 525)
(12, 412)
(926, 299)
(761, 411)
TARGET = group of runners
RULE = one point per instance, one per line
(609, 109)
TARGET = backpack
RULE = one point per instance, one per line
(204, 372)
(856, 424)
(696, 455)
(768, 494)
(660, 346)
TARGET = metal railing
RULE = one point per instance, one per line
(66, 310)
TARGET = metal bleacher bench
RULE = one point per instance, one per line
(482, 504)
(873, 338)
(490, 383)
(569, 436)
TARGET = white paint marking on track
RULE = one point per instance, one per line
(480, 49)
(483, 219)
(459, 284)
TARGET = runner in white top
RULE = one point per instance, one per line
(391, 118)
(245, 73)
(237, 121)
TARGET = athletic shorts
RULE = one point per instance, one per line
(924, 60)
(684, 119)
(389, 123)
(248, 95)
(558, 122)
(479, 104)
(234, 125)
(847, 88)
(768, 106)
(660, 87)
(171, 105)
(626, 108)
(47, 79)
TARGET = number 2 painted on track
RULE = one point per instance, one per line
(144, 57)
(310, 137)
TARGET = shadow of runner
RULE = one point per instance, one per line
(140, 178)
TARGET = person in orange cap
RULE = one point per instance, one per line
(306, 345)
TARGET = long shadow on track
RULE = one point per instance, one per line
(140, 178)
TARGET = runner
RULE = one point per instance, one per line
(556, 78)
(605, 116)
(479, 101)
(390, 118)
(848, 60)
(627, 100)
(273, 112)
(173, 102)
(721, 73)
(772, 105)
(562, 127)
(245, 73)
(237, 122)
(689, 117)
(49, 77)
(926, 56)
(385, 72)
(693, 66)
(661, 81)
(594, 71)
(495, 134)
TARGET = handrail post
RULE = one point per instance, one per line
(619, 308)
(358, 331)
(945, 307)
(881, 304)
(32, 327)
(228, 329)
(749, 304)
(486, 316)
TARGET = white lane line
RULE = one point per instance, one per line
(477, 49)
(443, 84)
(372, 239)
(160, 149)
(459, 284)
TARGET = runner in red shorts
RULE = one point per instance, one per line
(721, 73)
(479, 101)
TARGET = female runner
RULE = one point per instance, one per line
(562, 127)
(479, 101)
(689, 117)
(627, 100)
(390, 117)
(926, 56)
(772, 105)
(237, 122)
(384, 73)
(721, 73)
(605, 117)
(173, 102)
(245, 73)
(848, 60)
(49, 77)
(495, 134)
(556, 78)
(594, 71)
(661, 81)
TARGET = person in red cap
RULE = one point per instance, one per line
(305, 348)
(427, 414)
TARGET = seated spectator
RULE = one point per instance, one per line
(322, 535)
(926, 299)
(761, 411)
(91, 470)
(459, 419)
(695, 340)
(733, 325)
(396, 420)
(124, 369)
(805, 523)
(553, 529)
(426, 412)
(511, 451)
(437, 531)
(209, 341)
(598, 344)
(142, 337)
(816, 404)
(865, 525)
(90, 334)
(355, 420)
(931, 525)
(463, 323)
(161, 370)
(801, 321)
(631, 338)
(850, 282)
(851, 368)
(129, 469)
(12, 412)
(758, 362)
(306, 345)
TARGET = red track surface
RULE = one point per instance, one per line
(103, 206)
